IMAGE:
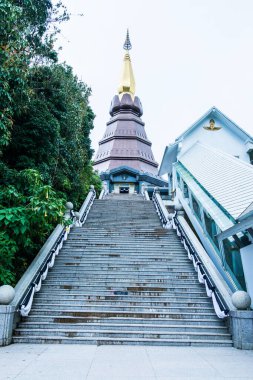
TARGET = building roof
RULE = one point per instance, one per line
(169, 157)
(221, 219)
(214, 112)
(171, 151)
(142, 176)
(227, 179)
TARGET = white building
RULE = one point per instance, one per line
(210, 172)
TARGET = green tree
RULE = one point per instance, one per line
(52, 134)
(27, 33)
(28, 213)
(45, 123)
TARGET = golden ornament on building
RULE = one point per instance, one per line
(127, 83)
(211, 126)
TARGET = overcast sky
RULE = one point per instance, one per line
(187, 56)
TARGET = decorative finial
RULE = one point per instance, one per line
(127, 44)
(127, 83)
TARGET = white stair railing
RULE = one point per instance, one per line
(144, 192)
(214, 286)
(161, 210)
(221, 306)
(104, 191)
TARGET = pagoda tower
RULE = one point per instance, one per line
(125, 142)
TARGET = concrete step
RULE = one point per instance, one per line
(87, 306)
(77, 272)
(128, 243)
(130, 298)
(131, 289)
(124, 282)
(123, 265)
(212, 321)
(117, 259)
(99, 333)
(153, 256)
(124, 327)
(62, 291)
(126, 314)
(132, 276)
(145, 304)
(123, 341)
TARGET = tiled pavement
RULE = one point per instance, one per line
(83, 362)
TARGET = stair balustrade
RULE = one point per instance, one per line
(104, 191)
(144, 193)
(171, 221)
(220, 307)
(161, 210)
(84, 211)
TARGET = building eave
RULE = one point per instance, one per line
(169, 157)
(118, 158)
(143, 176)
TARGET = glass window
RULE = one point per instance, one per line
(250, 153)
(211, 228)
(196, 207)
(185, 190)
(233, 262)
(178, 180)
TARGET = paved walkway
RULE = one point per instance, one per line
(81, 362)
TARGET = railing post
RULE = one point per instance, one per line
(7, 312)
(241, 321)
(104, 191)
(69, 211)
(144, 192)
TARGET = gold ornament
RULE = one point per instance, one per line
(211, 126)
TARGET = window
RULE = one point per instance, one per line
(178, 180)
(233, 262)
(185, 190)
(250, 153)
(211, 228)
(196, 207)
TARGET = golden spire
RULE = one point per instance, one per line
(127, 83)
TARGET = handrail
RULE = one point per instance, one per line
(146, 196)
(84, 210)
(31, 281)
(220, 305)
(103, 192)
(35, 285)
(161, 209)
(144, 192)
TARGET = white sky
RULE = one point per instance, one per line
(187, 56)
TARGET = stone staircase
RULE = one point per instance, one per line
(123, 279)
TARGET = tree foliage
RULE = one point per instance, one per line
(52, 134)
(26, 36)
(28, 212)
(45, 123)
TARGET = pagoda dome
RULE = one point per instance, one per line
(126, 103)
